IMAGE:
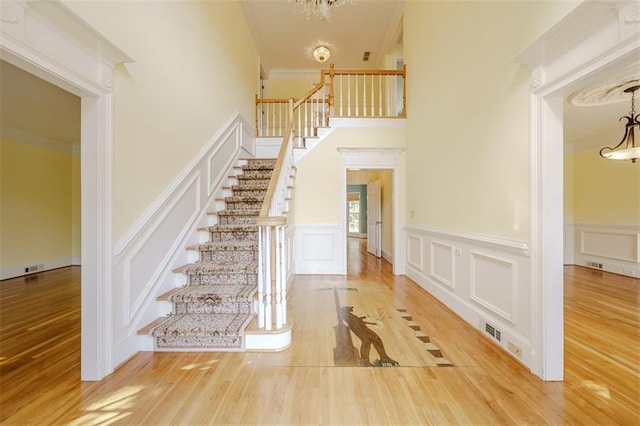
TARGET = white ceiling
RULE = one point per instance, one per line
(285, 39)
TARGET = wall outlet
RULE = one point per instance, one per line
(515, 349)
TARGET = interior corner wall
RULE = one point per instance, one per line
(468, 113)
(76, 207)
(467, 232)
(195, 65)
(36, 189)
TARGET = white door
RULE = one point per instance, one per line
(374, 219)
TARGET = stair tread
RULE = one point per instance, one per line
(167, 296)
(146, 330)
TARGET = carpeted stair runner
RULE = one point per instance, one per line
(212, 310)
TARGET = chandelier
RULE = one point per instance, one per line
(323, 9)
(626, 149)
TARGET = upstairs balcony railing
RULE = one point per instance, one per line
(340, 93)
(353, 94)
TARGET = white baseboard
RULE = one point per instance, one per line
(483, 279)
(606, 247)
(47, 265)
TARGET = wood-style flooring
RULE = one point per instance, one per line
(40, 362)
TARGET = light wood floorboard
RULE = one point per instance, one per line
(40, 363)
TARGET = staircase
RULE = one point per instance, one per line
(211, 311)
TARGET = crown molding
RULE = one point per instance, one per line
(40, 141)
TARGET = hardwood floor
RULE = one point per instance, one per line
(40, 358)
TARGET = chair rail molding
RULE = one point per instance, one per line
(592, 41)
(47, 39)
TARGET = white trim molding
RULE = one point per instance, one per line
(318, 248)
(608, 247)
(483, 279)
(592, 42)
(157, 243)
(375, 158)
(47, 39)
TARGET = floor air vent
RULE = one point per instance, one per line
(491, 330)
(594, 265)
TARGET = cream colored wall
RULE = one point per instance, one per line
(468, 113)
(195, 66)
(320, 174)
(568, 187)
(285, 88)
(76, 217)
(36, 193)
(605, 191)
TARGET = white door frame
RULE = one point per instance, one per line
(47, 39)
(593, 41)
(374, 158)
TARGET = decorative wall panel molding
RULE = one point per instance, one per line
(494, 284)
(319, 249)
(414, 251)
(147, 254)
(483, 279)
(609, 247)
(443, 263)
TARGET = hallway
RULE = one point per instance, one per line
(302, 385)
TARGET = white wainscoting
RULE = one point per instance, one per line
(615, 247)
(156, 244)
(319, 248)
(481, 278)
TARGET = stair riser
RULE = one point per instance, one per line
(256, 172)
(243, 205)
(221, 237)
(236, 255)
(249, 192)
(207, 308)
(252, 181)
(236, 220)
(223, 278)
(200, 344)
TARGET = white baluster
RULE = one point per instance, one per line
(261, 278)
(278, 283)
(283, 274)
(357, 98)
(340, 96)
(267, 282)
(373, 106)
(349, 95)
(380, 95)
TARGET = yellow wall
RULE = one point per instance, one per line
(76, 208)
(195, 66)
(285, 88)
(468, 113)
(605, 191)
(37, 202)
(320, 174)
(568, 187)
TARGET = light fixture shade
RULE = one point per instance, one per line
(321, 54)
(626, 149)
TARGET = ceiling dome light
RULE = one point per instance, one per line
(321, 54)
